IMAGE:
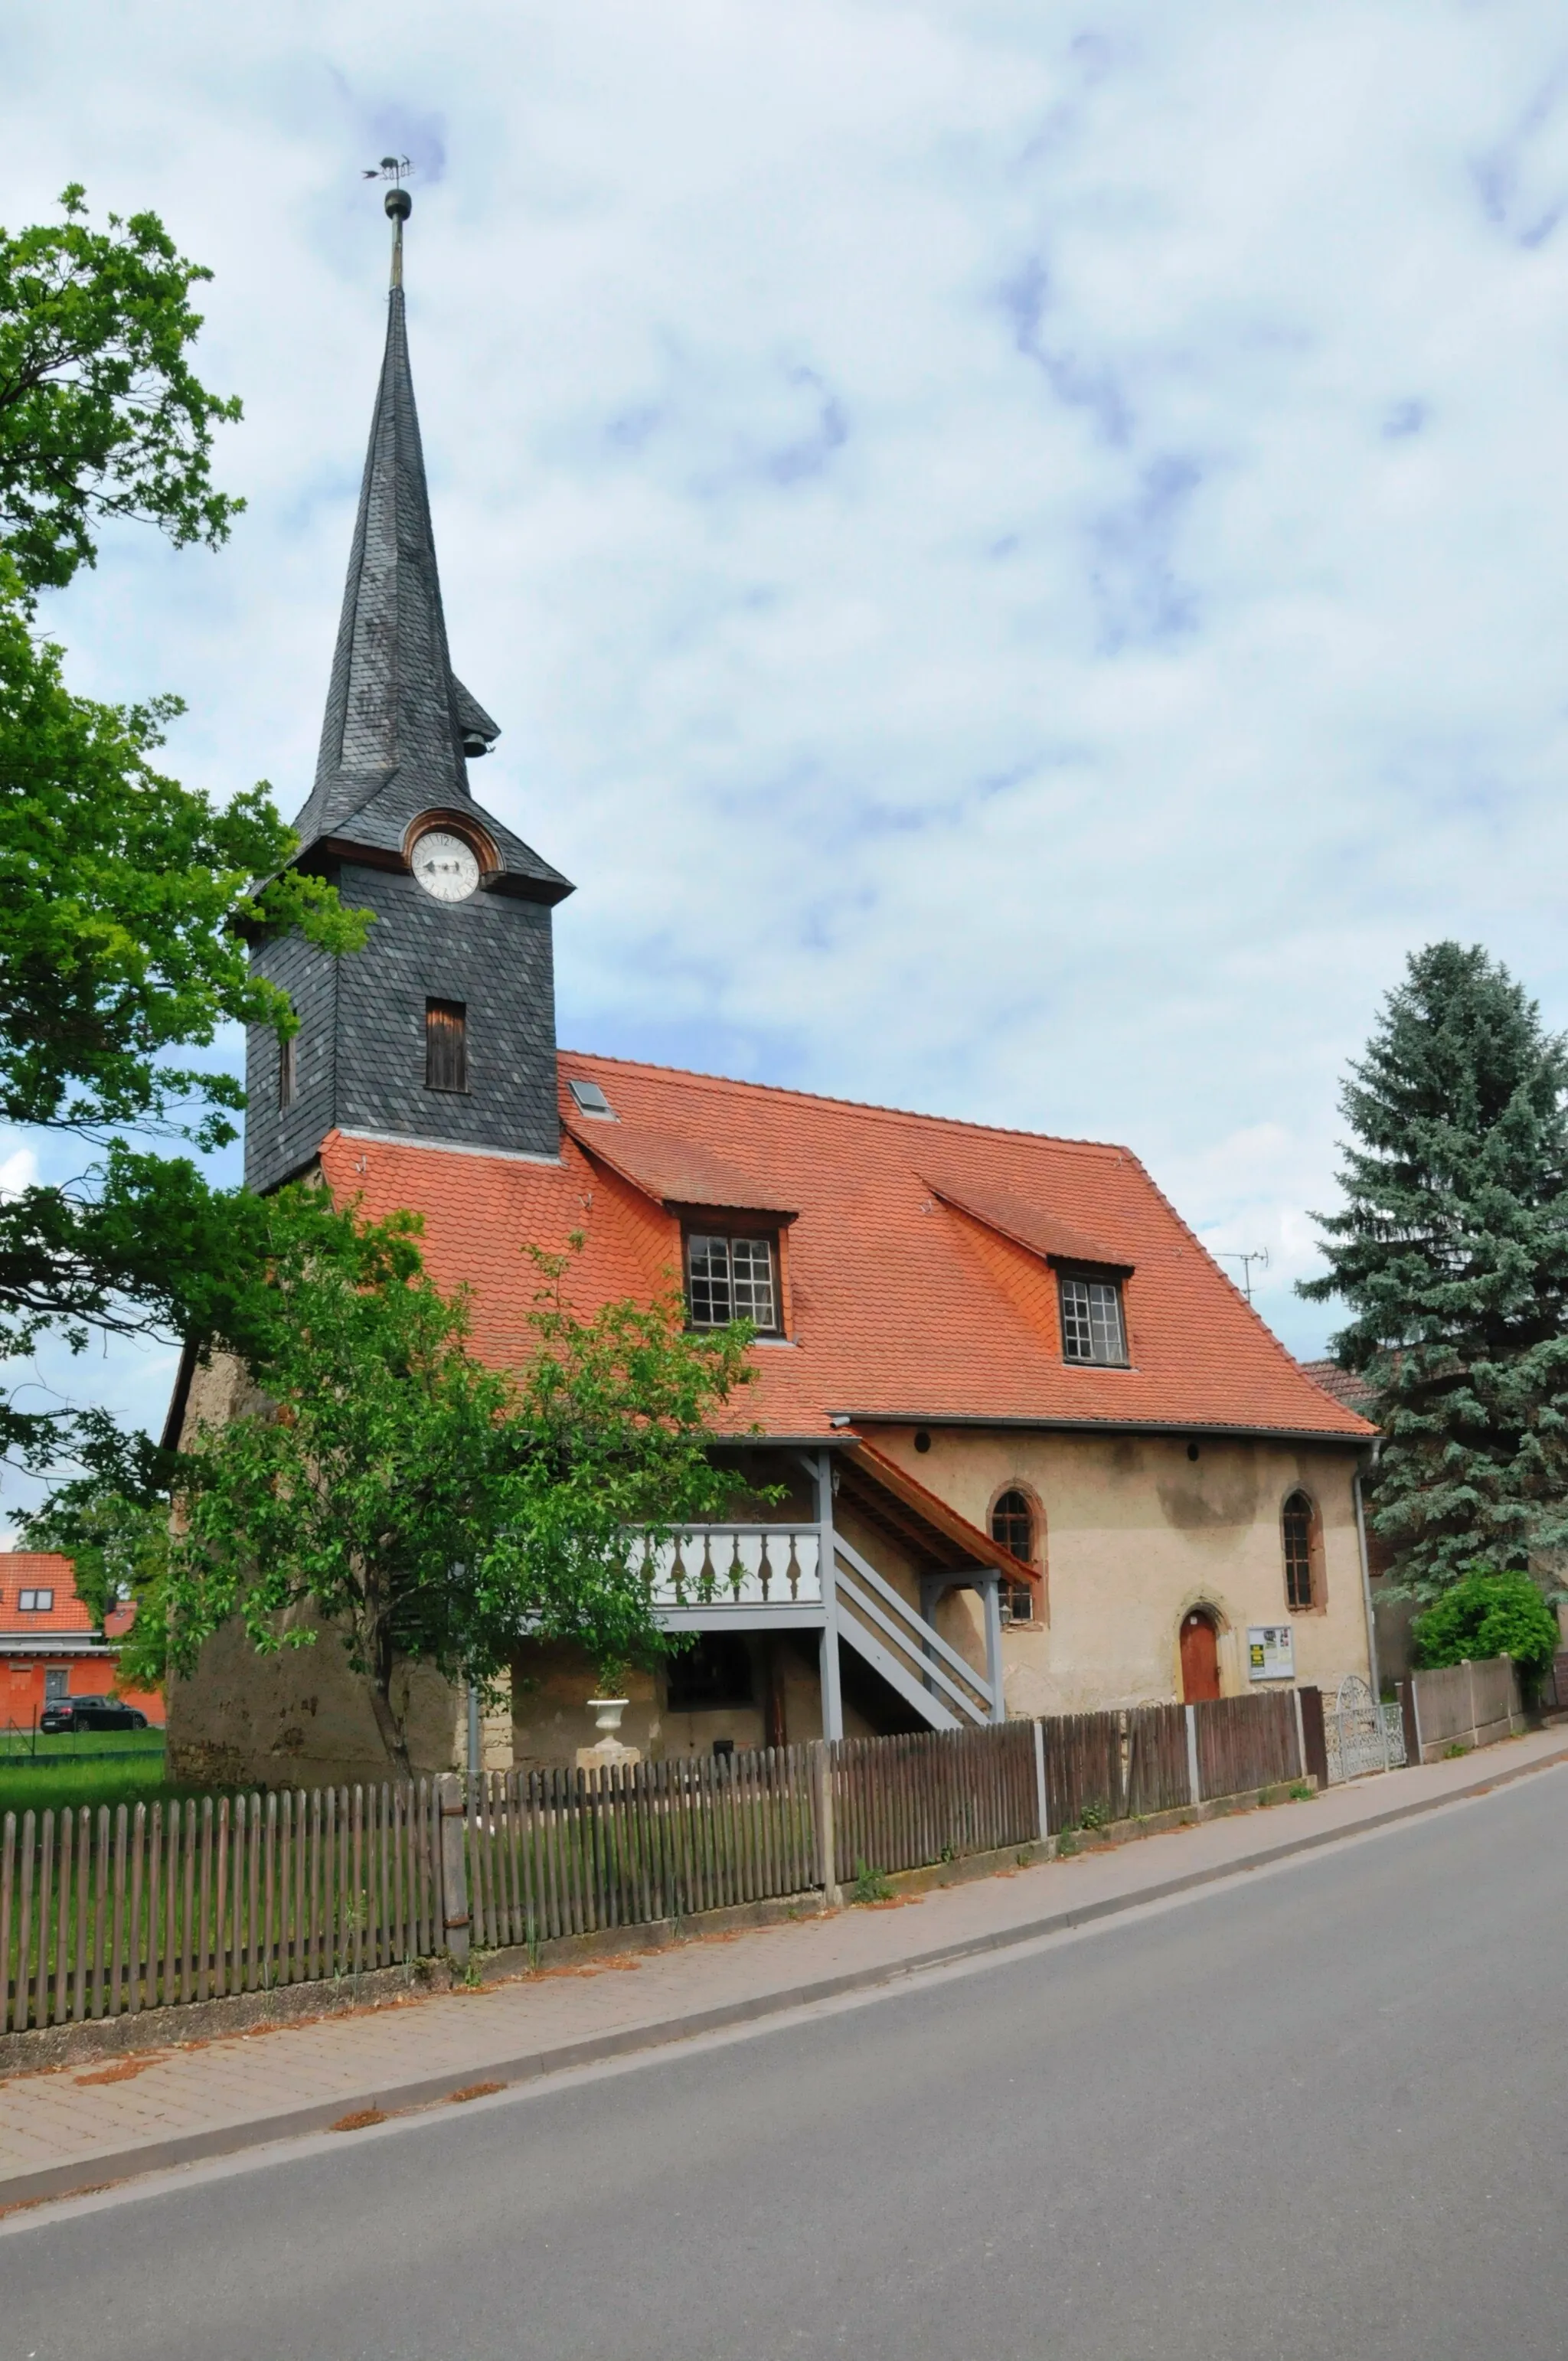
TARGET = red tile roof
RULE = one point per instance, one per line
(39, 1570)
(1346, 1386)
(900, 1304)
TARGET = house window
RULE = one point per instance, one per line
(446, 1045)
(35, 1602)
(1017, 1602)
(710, 1676)
(1013, 1525)
(1092, 1327)
(731, 1279)
(286, 1072)
(1299, 1531)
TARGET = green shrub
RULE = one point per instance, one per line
(869, 1885)
(1488, 1615)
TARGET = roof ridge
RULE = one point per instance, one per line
(859, 1106)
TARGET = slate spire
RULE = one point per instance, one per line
(401, 728)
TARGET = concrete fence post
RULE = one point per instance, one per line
(1041, 1798)
(1470, 1696)
(827, 1833)
(1193, 1780)
(1301, 1738)
(452, 1866)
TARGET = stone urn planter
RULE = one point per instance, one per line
(608, 1751)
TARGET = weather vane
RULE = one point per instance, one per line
(400, 205)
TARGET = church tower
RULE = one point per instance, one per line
(442, 1028)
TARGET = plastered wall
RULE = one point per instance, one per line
(1134, 1533)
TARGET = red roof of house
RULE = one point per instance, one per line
(38, 1570)
(1346, 1386)
(918, 1271)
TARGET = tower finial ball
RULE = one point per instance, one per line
(400, 205)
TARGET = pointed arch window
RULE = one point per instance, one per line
(1301, 1536)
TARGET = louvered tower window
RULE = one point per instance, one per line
(446, 1045)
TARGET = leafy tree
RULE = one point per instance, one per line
(433, 1509)
(1452, 1253)
(124, 896)
(100, 412)
(1488, 1615)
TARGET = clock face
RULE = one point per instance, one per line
(445, 865)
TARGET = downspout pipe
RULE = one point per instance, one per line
(1366, 1569)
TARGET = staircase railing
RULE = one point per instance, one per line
(910, 1654)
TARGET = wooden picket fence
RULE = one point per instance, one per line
(1247, 1741)
(104, 1913)
(930, 1795)
(565, 1852)
(1118, 1766)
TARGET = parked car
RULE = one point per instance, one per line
(90, 1713)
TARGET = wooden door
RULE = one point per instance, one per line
(1200, 1658)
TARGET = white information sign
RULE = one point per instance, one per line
(1271, 1651)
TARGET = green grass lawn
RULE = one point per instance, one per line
(92, 1766)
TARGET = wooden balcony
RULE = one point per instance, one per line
(738, 1578)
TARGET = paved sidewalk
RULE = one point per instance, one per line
(79, 2127)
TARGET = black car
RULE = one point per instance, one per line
(90, 1713)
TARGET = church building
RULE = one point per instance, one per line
(1037, 1452)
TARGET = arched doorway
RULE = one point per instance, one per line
(1200, 1656)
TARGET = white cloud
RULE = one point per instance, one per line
(1018, 558)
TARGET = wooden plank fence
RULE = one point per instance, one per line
(567, 1852)
(1116, 1766)
(1247, 1741)
(104, 1913)
(930, 1795)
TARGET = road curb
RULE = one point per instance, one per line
(92, 2173)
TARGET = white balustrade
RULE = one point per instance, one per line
(734, 1565)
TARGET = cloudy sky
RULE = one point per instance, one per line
(1019, 551)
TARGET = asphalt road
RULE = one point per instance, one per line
(1320, 2111)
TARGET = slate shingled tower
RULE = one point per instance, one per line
(444, 1027)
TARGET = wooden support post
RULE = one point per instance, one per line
(827, 1834)
(832, 1700)
(452, 1867)
(992, 1591)
(1041, 1798)
(1193, 1780)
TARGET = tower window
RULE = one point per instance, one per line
(446, 1045)
(287, 1071)
(731, 1279)
(1092, 1327)
(1302, 1540)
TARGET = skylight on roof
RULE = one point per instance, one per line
(590, 1099)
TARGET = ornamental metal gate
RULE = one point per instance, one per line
(1362, 1735)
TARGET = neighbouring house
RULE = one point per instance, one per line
(1038, 1453)
(50, 1648)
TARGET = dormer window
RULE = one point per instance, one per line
(731, 1278)
(1092, 1329)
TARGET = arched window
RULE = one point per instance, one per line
(1013, 1525)
(1298, 1523)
